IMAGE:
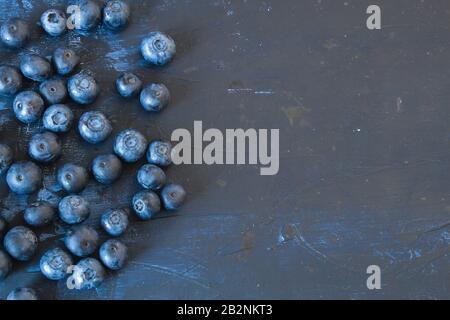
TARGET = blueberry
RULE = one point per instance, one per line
(72, 178)
(10, 80)
(22, 294)
(155, 97)
(55, 264)
(94, 127)
(115, 221)
(116, 14)
(159, 153)
(128, 84)
(158, 48)
(54, 91)
(173, 196)
(88, 15)
(146, 204)
(83, 88)
(58, 118)
(113, 254)
(107, 168)
(6, 158)
(39, 214)
(24, 177)
(54, 22)
(5, 265)
(81, 240)
(15, 33)
(21, 243)
(44, 147)
(151, 177)
(3, 227)
(88, 274)
(130, 145)
(73, 209)
(65, 60)
(28, 106)
(35, 67)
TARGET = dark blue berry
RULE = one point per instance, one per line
(73, 209)
(10, 80)
(88, 274)
(113, 254)
(44, 147)
(115, 221)
(22, 294)
(3, 227)
(81, 240)
(107, 168)
(15, 33)
(158, 48)
(94, 127)
(155, 97)
(72, 178)
(39, 214)
(55, 264)
(83, 88)
(65, 60)
(146, 204)
(35, 67)
(24, 177)
(116, 14)
(58, 118)
(130, 145)
(159, 153)
(88, 15)
(6, 158)
(28, 106)
(128, 84)
(54, 91)
(21, 243)
(54, 22)
(5, 265)
(173, 196)
(151, 177)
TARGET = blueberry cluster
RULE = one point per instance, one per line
(45, 147)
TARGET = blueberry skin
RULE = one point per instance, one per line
(94, 127)
(58, 118)
(35, 67)
(83, 88)
(158, 48)
(81, 241)
(55, 263)
(114, 254)
(10, 80)
(106, 168)
(21, 243)
(74, 209)
(24, 177)
(39, 214)
(15, 33)
(5, 265)
(89, 15)
(115, 221)
(88, 274)
(128, 85)
(130, 145)
(3, 227)
(159, 153)
(146, 204)
(28, 106)
(116, 14)
(151, 177)
(6, 158)
(22, 294)
(173, 196)
(155, 97)
(65, 60)
(44, 147)
(54, 91)
(54, 22)
(72, 178)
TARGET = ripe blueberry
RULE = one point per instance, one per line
(151, 177)
(116, 14)
(44, 147)
(22, 294)
(54, 91)
(128, 84)
(115, 221)
(39, 214)
(21, 243)
(10, 80)
(55, 263)
(65, 60)
(54, 22)
(35, 67)
(5, 265)
(15, 33)
(146, 204)
(173, 196)
(88, 274)
(113, 254)
(73, 209)
(88, 15)
(94, 127)
(155, 97)
(24, 177)
(158, 48)
(58, 118)
(159, 153)
(28, 106)
(6, 158)
(83, 88)
(106, 168)
(130, 145)
(81, 240)
(72, 178)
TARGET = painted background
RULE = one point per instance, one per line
(364, 132)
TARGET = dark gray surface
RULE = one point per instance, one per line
(363, 118)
